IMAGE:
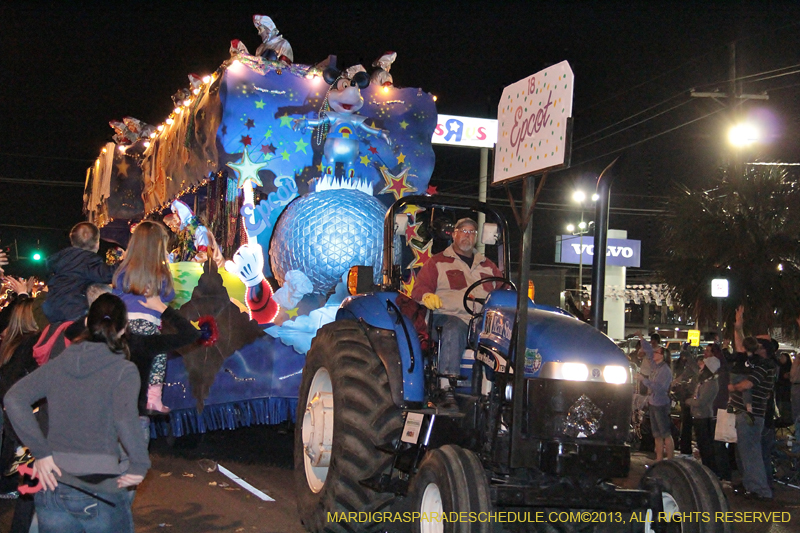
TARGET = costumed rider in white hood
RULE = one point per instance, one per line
(197, 243)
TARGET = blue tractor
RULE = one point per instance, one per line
(369, 436)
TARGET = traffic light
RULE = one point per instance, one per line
(37, 256)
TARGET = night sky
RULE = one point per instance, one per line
(67, 70)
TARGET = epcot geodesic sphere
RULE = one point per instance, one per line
(324, 233)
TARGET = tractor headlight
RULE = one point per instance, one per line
(574, 371)
(615, 374)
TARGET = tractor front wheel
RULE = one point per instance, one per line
(451, 480)
(344, 412)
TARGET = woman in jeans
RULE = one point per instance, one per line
(658, 384)
(92, 390)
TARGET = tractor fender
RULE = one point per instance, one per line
(394, 340)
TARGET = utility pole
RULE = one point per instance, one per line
(734, 98)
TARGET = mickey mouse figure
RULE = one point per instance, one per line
(338, 120)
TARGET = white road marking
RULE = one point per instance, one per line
(244, 484)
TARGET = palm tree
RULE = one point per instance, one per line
(746, 230)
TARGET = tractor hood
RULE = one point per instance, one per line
(554, 336)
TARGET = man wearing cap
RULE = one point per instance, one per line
(440, 286)
(758, 383)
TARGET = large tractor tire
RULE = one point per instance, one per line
(344, 412)
(451, 480)
(688, 487)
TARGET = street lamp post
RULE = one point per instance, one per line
(580, 198)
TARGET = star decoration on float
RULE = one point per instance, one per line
(421, 255)
(301, 146)
(122, 168)
(364, 160)
(260, 104)
(246, 140)
(291, 313)
(397, 185)
(404, 124)
(286, 120)
(432, 190)
(413, 210)
(267, 149)
(250, 123)
(401, 158)
(406, 288)
(373, 150)
(247, 170)
(412, 232)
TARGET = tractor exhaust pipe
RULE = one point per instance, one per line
(602, 208)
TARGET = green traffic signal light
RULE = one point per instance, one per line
(37, 256)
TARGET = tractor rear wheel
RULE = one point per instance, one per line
(344, 412)
(451, 480)
(687, 487)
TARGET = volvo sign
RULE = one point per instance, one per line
(619, 252)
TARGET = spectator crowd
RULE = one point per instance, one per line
(82, 362)
(728, 404)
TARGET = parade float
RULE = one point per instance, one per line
(290, 167)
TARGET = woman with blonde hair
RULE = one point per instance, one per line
(144, 273)
(16, 362)
(22, 332)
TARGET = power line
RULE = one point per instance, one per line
(54, 183)
(648, 138)
(39, 156)
(632, 116)
(20, 226)
(632, 125)
(777, 76)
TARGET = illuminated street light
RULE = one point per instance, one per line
(743, 134)
(580, 197)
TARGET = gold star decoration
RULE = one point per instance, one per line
(291, 313)
(122, 168)
(413, 210)
(406, 288)
(247, 170)
(401, 158)
(365, 160)
(404, 124)
(397, 185)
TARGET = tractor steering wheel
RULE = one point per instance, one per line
(497, 279)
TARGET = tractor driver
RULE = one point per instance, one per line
(440, 287)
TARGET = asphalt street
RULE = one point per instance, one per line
(185, 492)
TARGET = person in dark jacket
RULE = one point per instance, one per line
(71, 271)
(683, 386)
(702, 406)
(91, 389)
